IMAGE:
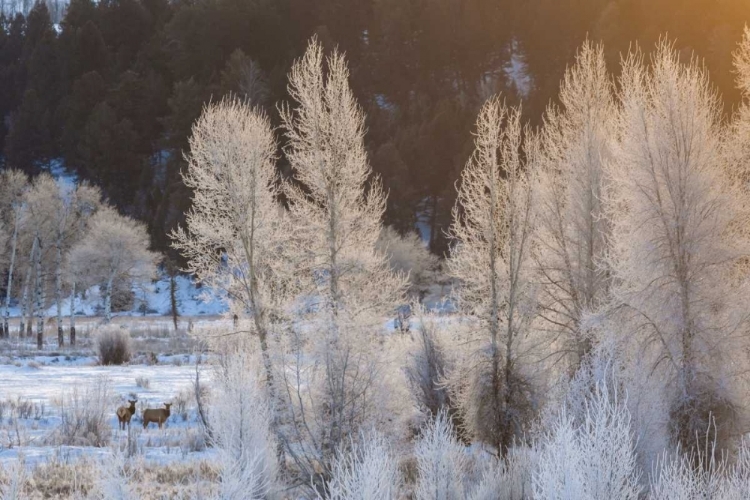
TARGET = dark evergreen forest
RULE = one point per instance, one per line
(113, 88)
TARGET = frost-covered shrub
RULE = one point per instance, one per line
(368, 471)
(737, 483)
(591, 460)
(426, 371)
(241, 429)
(85, 415)
(442, 462)
(113, 346)
(407, 254)
(143, 382)
(13, 481)
(115, 477)
(688, 477)
(507, 479)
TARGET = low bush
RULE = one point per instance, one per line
(85, 416)
(113, 346)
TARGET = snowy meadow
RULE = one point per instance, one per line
(586, 338)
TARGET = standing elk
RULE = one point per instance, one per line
(158, 416)
(124, 413)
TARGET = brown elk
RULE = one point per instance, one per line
(124, 413)
(158, 416)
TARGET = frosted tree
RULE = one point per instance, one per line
(13, 184)
(336, 208)
(114, 250)
(678, 243)
(57, 218)
(492, 226)
(241, 429)
(73, 224)
(737, 140)
(236, 231)
(368, 471)
(71, 209)
(40, 220)
(572, 230)
(409, 255)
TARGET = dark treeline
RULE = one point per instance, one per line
(114, 88)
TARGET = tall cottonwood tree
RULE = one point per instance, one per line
(678, 243)
(492, 229)
(571, 240)
(236, 230)
(336, 207)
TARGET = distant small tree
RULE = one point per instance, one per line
(13, 184)
(41, 201)
(114, 250)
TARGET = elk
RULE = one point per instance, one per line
(158, 416)
(124, 413)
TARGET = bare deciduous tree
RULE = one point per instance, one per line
(493, 222)
(115, 249)
(336, 207)
(572, 231)
(236, 230)
(14, 184)
(678, 243)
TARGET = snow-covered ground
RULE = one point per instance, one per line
(37, 390)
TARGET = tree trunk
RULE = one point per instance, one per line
(433, 222)
(108, 300)
(73, 315)
(39, 299)
(58, 293)
(25, 291)
(6, 315)
(173, 298)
